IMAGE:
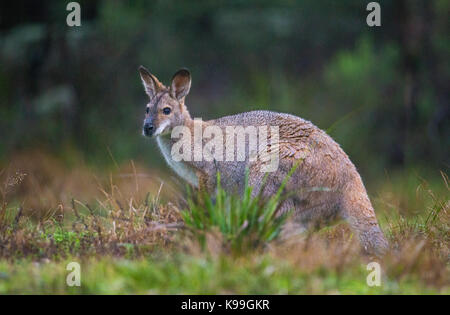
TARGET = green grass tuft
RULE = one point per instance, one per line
(244, 223)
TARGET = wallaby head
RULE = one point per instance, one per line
(166, 108)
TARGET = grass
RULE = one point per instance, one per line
(243, 223)
(129, 234)
(186, 274)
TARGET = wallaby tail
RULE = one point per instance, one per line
(358, 211)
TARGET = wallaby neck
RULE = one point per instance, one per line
(187, 119)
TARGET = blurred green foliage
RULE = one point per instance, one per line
(380, 92)
(192, 275)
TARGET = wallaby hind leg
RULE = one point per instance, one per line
(359, 213)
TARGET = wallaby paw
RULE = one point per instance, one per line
(374, 242)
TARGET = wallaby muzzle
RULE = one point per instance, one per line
(148, 127)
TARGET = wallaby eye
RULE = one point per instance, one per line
(166, 110)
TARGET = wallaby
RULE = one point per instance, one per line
(324, 185)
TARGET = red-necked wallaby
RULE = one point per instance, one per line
(325, 184)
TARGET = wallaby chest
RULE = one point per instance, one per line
(183, 169)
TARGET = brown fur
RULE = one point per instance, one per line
(324, 186)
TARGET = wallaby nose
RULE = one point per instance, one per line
(148, 129)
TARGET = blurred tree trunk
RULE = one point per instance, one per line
(438, 124)
(420, 62)
(410, 39)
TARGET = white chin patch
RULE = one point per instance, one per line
(161, 128)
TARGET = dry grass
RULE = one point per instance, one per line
(49, 212)
(42, 218)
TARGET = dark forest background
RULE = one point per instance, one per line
(381, 92)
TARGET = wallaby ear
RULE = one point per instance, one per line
(150, 82)
(181, 84)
